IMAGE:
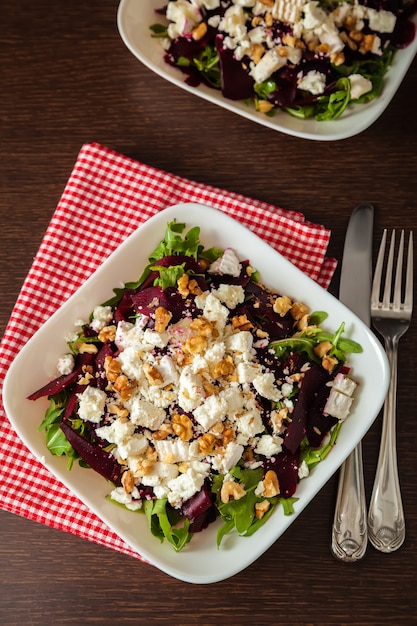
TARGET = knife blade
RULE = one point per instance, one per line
(349, 531)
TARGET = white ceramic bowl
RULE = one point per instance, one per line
(135, 18)
(200, 561)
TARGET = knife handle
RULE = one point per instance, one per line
(349, 532)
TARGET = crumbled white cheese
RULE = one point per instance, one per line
(265, 386)
(184, 487)
(65, 364)
(269, 63)
(228, 264)
(269, 445)
(313, 81)
(144, 413)
(102, 315)
(230, 295)
(91, 404)
(359, 85)
(213, 409)
(303, 470)
(184, 16)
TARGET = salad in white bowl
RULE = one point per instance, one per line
(310, 58)
(200, 393)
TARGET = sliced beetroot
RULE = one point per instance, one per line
(199, 510)
(62, 382)
(237, 84)
(124, 309)
(190, 264)
(98, 459)
(314, 379)
(148, 300)
(72, 401)
(105, 351)
(285, 465)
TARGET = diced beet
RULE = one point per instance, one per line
(237, 84)
(105, 351)
(190, 263)
(314, 379)
(285, 465)
(148, 300)
(72, 401)
(199, 503)
(98, 459)
(199, 510)
(124, 309)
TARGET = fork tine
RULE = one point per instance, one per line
(388, 278)
(398, 274)
(376, 283)
(408, 301)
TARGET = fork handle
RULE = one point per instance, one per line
(349, 531)
(386, 522)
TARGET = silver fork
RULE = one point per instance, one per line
(391, 318)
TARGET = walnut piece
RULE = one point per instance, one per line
(231, 489)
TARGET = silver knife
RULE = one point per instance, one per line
(349, 532)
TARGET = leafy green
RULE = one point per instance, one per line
(159, 30)
(168, 276)
(56, 441)
(174, 243)
(162, 522)
(307, 340)
(313, 456)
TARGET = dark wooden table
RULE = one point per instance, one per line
(67, 79)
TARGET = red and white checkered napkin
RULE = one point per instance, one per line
(106, 198)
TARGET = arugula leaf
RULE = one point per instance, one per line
(56, 442)
(168, 276)
(313, 456)
(161, 522)
(288, 504)
(159, 30)
(308, 339)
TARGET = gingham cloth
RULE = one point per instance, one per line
(106, 198)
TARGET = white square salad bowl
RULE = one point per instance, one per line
(200, 561)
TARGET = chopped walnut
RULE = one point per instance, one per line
(231, 489)
(257, 52)
(199, 32)
(182, 426)
(162, 319)
(337, 58)
(282, 305)
(271, 484)
(87, 348)
(116, 409)
(202, 326)
(225, 367)
(206, 443)
(124, 387)
(195, 344)
(112, 369)
(108, 333)
(322, 348)
(154, 377)
(228, 435)
(298, 310)
(128, 481)
(367, 43)
(329, 363)
(241, 322)
(261, 508)
(187, 286)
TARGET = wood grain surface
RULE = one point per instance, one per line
(67, 79)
